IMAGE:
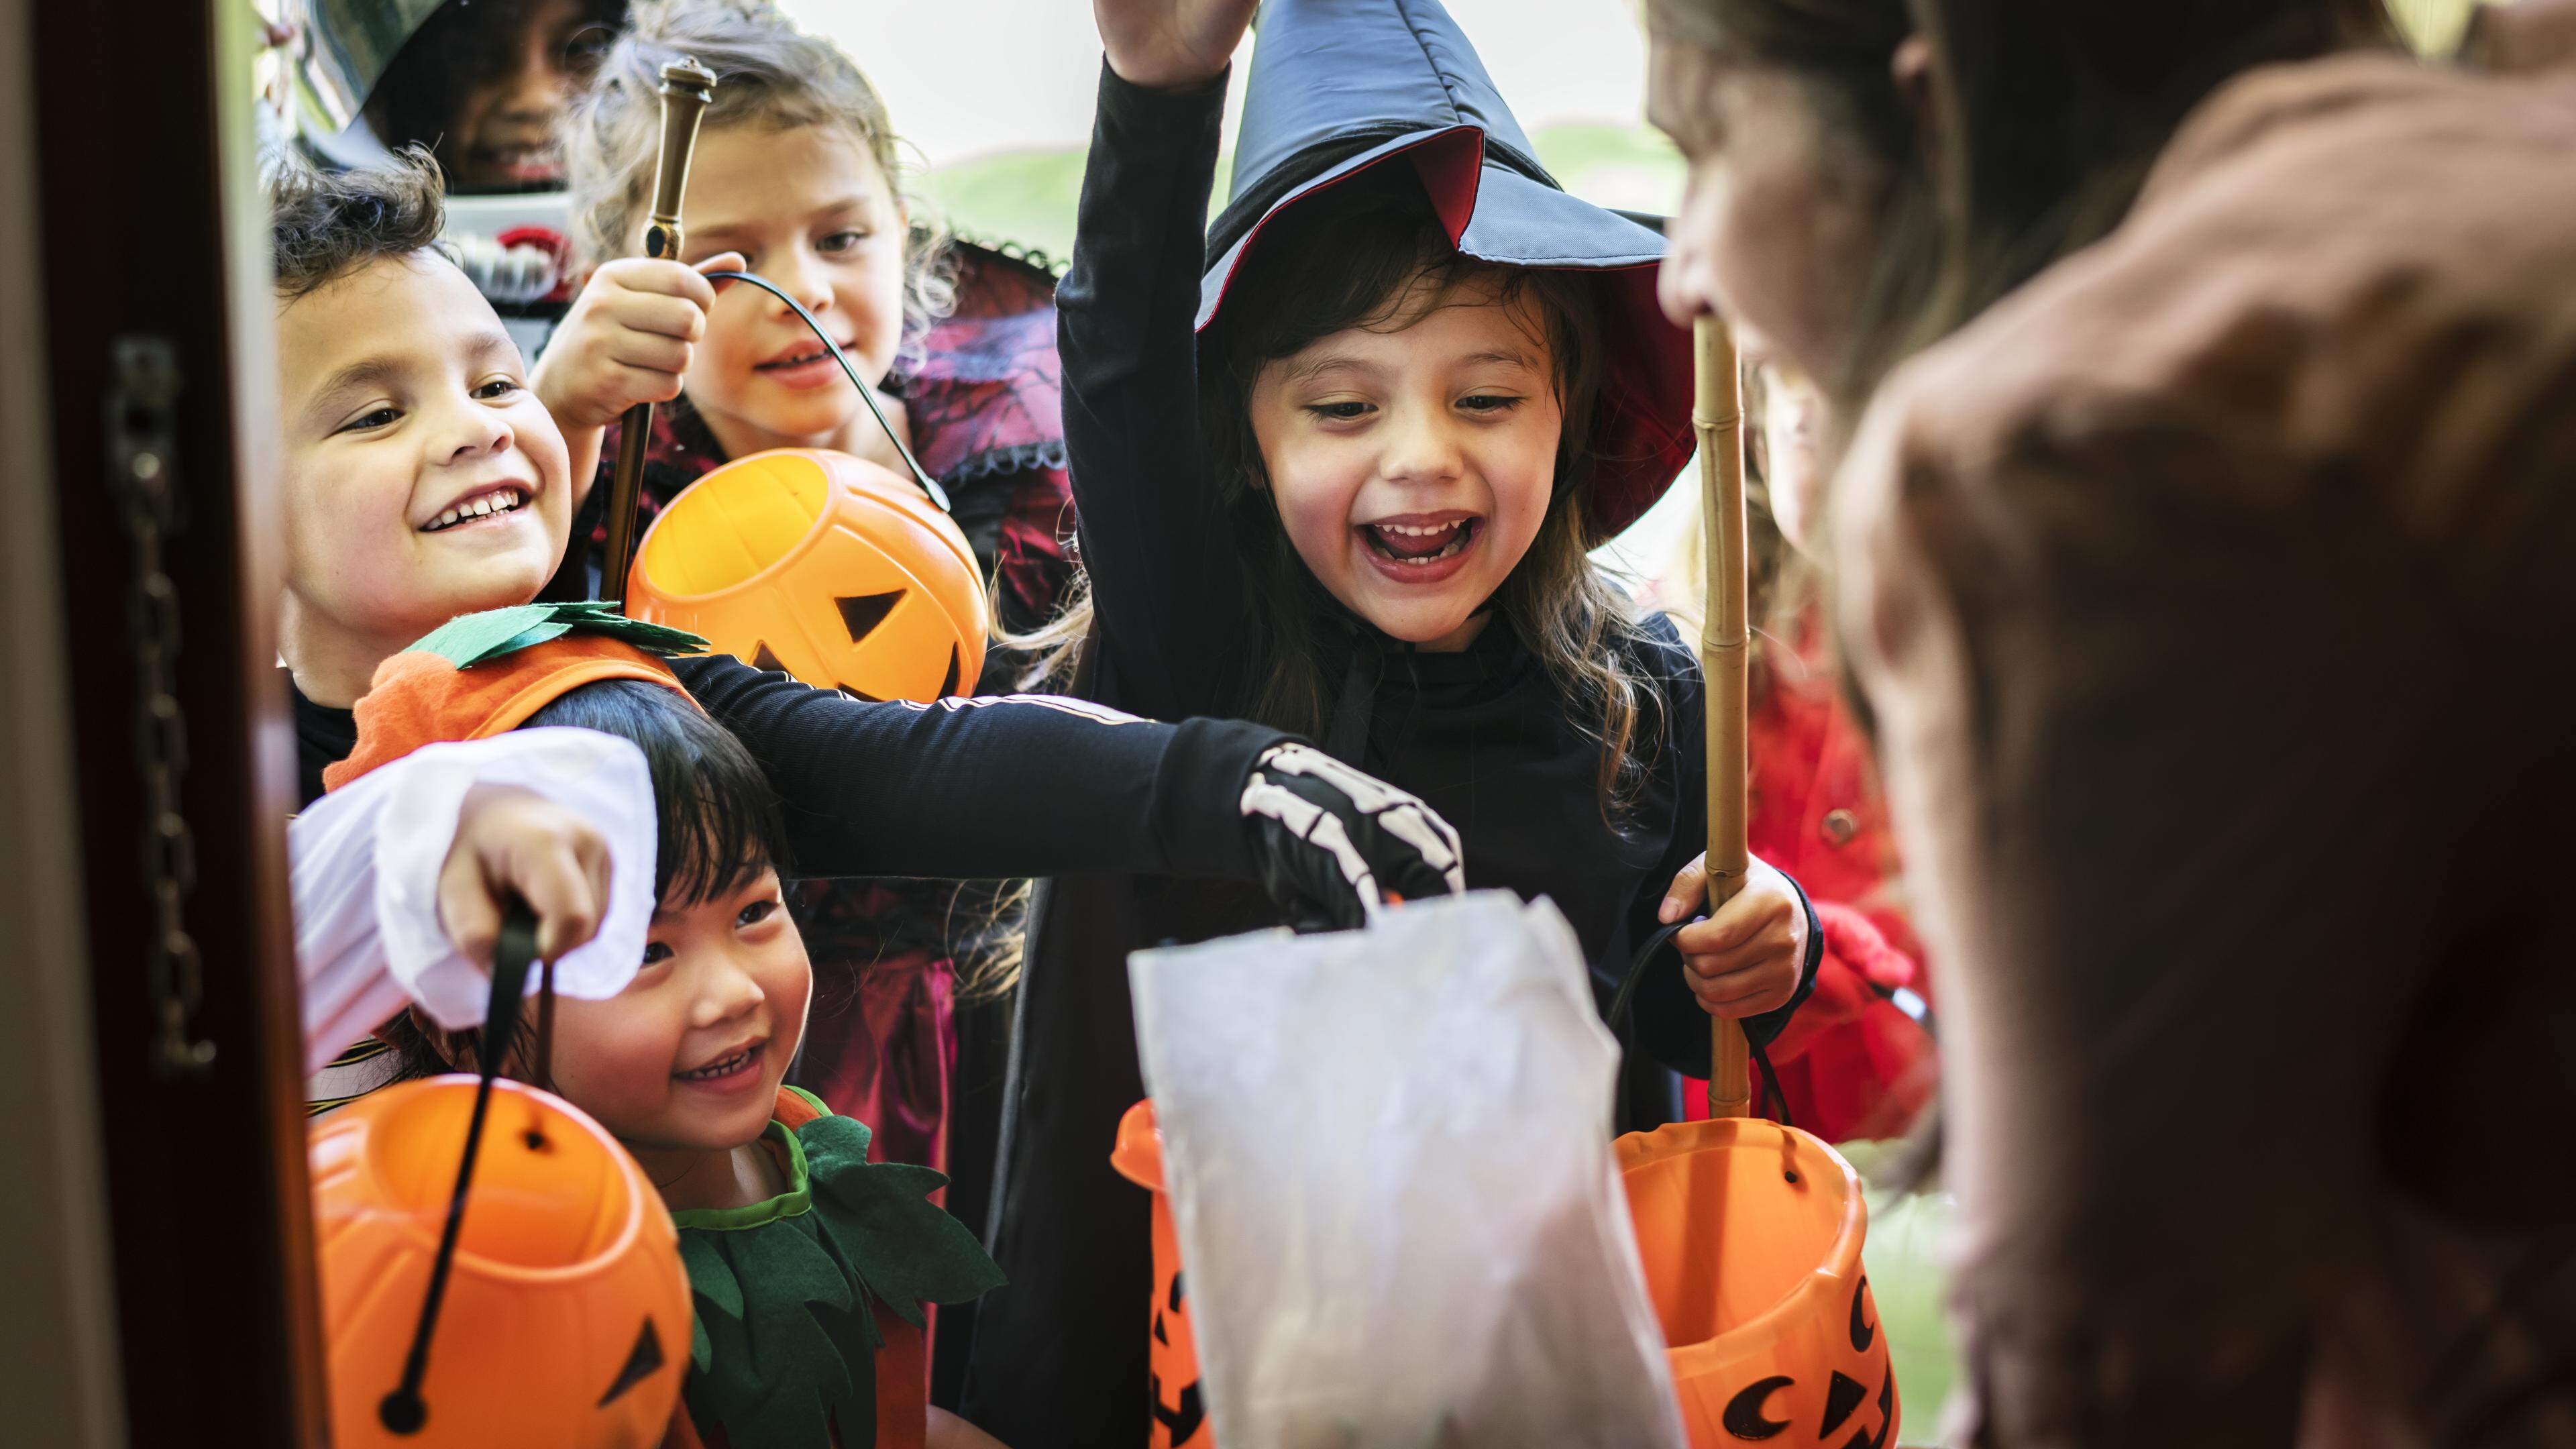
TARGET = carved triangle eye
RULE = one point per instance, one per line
(1841, 1397)
(761, 658)
(948, 686)
(864, 612)
(641, 1362)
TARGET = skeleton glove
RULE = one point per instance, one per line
(1335, 843)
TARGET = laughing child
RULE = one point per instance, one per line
(808, 1266)
(1347, 483)
(420, 479)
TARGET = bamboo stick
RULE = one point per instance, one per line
(1717, 416)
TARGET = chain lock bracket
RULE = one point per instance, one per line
(142, 434)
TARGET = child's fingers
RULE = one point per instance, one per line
(646, 384)
(566, 884)
(1740, 920)
(1689, 888)
(1745, 993)
(648, 351)
(1768, 951)
(645, 276)
(654, 314)
(723, 262)
(468, 907)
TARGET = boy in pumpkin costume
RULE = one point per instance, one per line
(421, 481)
(808, 1265)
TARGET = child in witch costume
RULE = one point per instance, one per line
(808, 1265)
(797, 170)
(1350, 480)
(421, 480)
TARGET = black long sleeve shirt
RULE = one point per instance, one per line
(1484, 736)
(964, 788)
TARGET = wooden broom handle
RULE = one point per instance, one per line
(1717, 416)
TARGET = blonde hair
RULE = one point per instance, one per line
(768, 74)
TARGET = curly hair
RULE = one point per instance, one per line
(768, 74)
(324, 225)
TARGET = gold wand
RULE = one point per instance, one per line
(686, 88)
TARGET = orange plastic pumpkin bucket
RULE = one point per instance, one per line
(826, 566)
(1180, 1417)
(567, 1319)
(1751, 1237)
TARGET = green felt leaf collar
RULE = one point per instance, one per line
(786, 1340)
(471, 639)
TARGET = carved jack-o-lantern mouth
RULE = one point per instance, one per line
(1749, 1413)
(822, 566)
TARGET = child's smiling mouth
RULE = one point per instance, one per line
(730, 1070)
(1426, 548)
(491, 503)
(807, 365)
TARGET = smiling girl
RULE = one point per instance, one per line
(1339, 465)
(784, 1223)
(797, 177)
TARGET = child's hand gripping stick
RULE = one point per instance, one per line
(1717, 416)
(686, 88)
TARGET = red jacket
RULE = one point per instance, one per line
(1851, 1063)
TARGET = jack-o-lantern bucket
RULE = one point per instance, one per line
(1180, 1418)
(828, 567)
(1751, 1235)
(567, 1317)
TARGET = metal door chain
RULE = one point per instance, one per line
(142, 431)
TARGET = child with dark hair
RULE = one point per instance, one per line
(1340, 462)
(485, 86)
(421, 480)
(793, 1241)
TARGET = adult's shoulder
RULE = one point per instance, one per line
(2343, 293)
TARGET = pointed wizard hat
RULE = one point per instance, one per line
(1340, 86)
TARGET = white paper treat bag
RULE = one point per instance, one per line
(1390, 1171)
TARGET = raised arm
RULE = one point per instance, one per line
(1166, 587)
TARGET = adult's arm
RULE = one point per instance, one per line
(987, 787)
(1166, 580)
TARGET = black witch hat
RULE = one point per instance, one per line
(1340, 86)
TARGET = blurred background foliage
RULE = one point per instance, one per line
(1027, 195)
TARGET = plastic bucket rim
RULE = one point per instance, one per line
(423, 1230)
(1710, 1353)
